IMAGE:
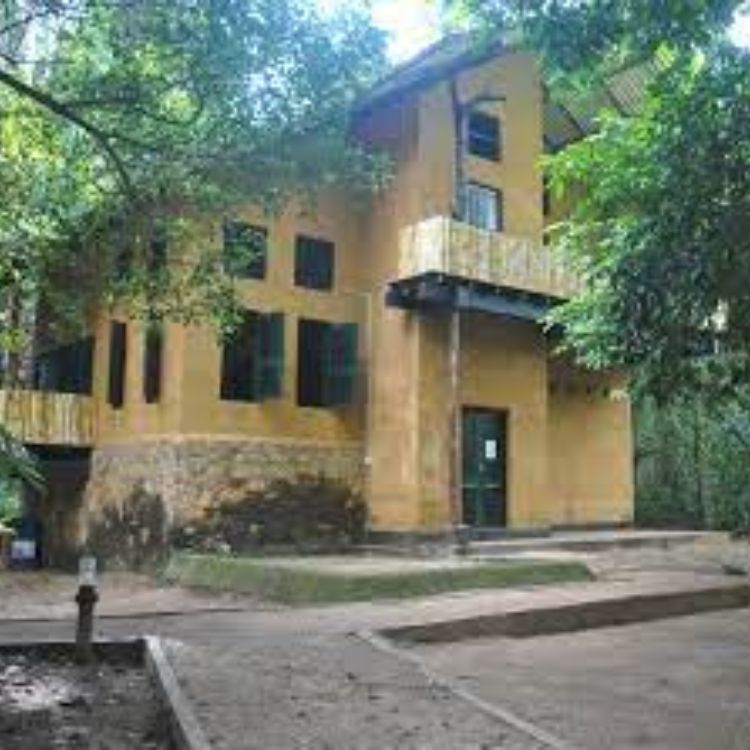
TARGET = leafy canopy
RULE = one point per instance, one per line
(120, 118)
(659, 225)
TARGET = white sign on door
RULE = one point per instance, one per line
(490, 450)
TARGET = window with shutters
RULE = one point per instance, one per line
(153, 349)
(245, 250)
(252, 361)
(313, 263)
(117, 362)
(484, 137)
(483, 207)
(326, 363)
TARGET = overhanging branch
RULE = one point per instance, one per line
(101, 137)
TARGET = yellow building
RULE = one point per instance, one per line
(397, 346)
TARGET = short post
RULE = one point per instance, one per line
(86, 598)
(463, 539)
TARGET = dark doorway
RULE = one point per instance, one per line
(485, 437)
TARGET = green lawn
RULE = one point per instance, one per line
(294, 585)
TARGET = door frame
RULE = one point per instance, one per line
(504, 413)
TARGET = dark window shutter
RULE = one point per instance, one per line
(314, 263)
(340, 364)
(268, 366)
(152, 363)
(237, 377)
(117, 363)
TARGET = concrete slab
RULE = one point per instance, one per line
(590, 541)
(672, 685)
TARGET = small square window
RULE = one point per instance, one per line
(484, 136)
(314, 259)
(245, 250)
(483, 207)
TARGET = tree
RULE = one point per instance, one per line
(659, 226)
(123, 118)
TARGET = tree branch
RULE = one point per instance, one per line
(101, 137)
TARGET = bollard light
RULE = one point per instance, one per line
(86, 599)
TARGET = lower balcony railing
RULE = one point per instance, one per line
(44, 418)
(444, 245)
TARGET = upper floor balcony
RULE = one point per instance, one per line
(445, 246)
(45, 418)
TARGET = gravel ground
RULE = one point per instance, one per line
(53, 704)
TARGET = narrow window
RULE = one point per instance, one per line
(483, 207)
(153, 348)
(326, 363)
(245, 250)
(117, 362)
(252, 363)
(314, 259)
(484, 136)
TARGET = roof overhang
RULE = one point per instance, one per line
(431, 292)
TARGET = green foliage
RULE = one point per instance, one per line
(661, 231)
(10, 503)
(118, 116)
(578, 37)
(17, 464)
(660, 226)
(692, 467)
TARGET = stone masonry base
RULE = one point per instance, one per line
(138, 491)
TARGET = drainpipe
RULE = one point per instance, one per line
(456, 453)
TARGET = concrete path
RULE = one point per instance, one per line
(680, 684)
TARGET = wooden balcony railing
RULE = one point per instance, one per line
(443, 245)
(45, 418)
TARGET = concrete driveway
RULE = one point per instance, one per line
(678, 684)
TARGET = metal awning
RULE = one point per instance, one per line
(434, 291)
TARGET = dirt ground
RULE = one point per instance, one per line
(54, 704)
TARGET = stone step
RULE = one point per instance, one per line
(584, 542)
(596, 612)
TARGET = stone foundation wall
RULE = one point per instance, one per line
(139, 491)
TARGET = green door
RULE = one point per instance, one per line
(484, 467)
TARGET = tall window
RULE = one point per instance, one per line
(153, 348)
(313, 263)
(245, 250)
(326, 363)
(252, 360)
(117, 361)
(484, 136)
(483, 207)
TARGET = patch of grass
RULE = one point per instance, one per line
(292, 585)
